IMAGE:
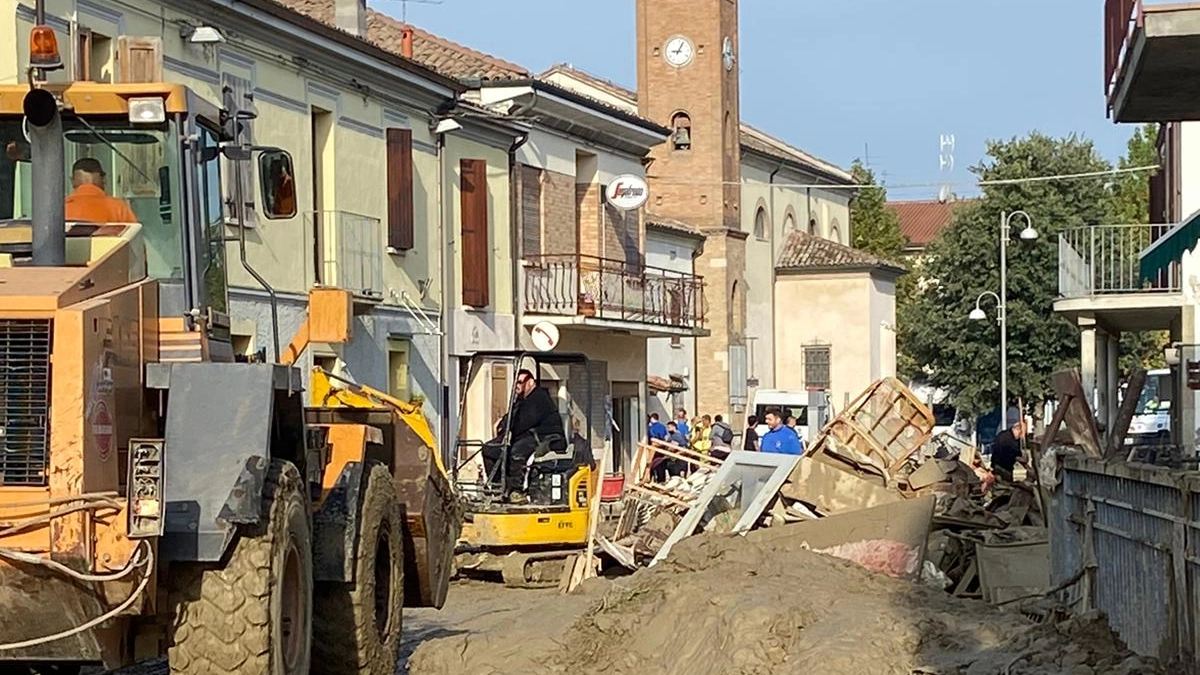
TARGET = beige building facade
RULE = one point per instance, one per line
(377, 186)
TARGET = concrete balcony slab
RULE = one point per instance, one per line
(1158, 77)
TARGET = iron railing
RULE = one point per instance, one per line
(1121, 19)
(583, 285)
(1103, 259)
(348, 251)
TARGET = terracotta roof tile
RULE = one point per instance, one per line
(672, 225)
(922, 220)
(804, 251)
(752, 138)
(433, 51)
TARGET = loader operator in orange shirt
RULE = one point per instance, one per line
(89, 202)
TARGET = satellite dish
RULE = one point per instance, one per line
(544, 335)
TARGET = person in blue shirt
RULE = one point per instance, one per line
(681, 423)
(781, 438)
(656, 429)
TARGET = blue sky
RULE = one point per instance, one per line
(849, 78)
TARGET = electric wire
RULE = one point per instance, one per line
(858, 186)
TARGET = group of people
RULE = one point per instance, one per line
(712, 435)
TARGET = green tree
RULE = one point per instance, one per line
(873, 226)
(962, 356)
(1130, 205)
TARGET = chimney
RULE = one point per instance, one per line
(351, 16)
(406, 42)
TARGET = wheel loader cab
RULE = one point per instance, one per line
(159, 148)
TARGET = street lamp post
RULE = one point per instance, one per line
(977, 314)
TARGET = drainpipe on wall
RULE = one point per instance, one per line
(447, 314)
(771, 206)
(517, 246)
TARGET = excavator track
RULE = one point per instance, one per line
(535, 570)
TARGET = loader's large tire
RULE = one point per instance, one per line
(356, 629)
(251, 615)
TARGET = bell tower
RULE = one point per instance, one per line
(688, 81)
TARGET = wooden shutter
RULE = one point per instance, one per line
(400, 189)
(475, 253)
(139, 59)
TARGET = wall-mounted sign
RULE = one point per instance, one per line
(627, 192)
(544, 335)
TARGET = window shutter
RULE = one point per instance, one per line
(473, 195)
(139, 59)
(400, 189)
(243, 93)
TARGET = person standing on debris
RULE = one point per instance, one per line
(722, 438)
(1006, 449)
(656, 429)
(780, 438)
(750, 435)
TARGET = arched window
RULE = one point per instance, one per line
(681, 126)
(789, 223)
(760, 223)
(813, 229)
(835, 231)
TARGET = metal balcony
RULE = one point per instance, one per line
(1152, 60)
(1100, 279)
(593, 288)
(348, 252)
(1103, 259)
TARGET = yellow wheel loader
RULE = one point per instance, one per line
(528, 539)
(159, 497)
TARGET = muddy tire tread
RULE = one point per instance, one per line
(222, 615)
(345, 639)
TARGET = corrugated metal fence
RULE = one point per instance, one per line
(1133, 531)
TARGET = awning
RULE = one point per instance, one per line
(1169, 248)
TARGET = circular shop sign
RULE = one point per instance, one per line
(627, 192)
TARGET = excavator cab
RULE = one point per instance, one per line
(528, 536)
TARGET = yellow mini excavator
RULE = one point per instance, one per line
(527, 541)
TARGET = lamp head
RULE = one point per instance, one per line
(1029, 234)
(977, 314)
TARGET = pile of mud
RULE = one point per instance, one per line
(723, 605)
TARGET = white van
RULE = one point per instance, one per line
(791, 402)
(1151, 422)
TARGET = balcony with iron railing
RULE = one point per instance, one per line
(1100, 276)
(1152, 60)
(348, 253)
(602, 291)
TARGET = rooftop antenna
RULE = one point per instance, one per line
(404, 6)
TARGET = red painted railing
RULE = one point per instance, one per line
(1121, 19)
(582, 285)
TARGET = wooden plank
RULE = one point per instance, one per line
(1078, 419)
(1133, 392)
(589, 558)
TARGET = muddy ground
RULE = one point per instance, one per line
(742, 606)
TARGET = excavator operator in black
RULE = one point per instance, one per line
(536, 428)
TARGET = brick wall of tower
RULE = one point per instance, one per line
(587, 212)
(700, 185)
